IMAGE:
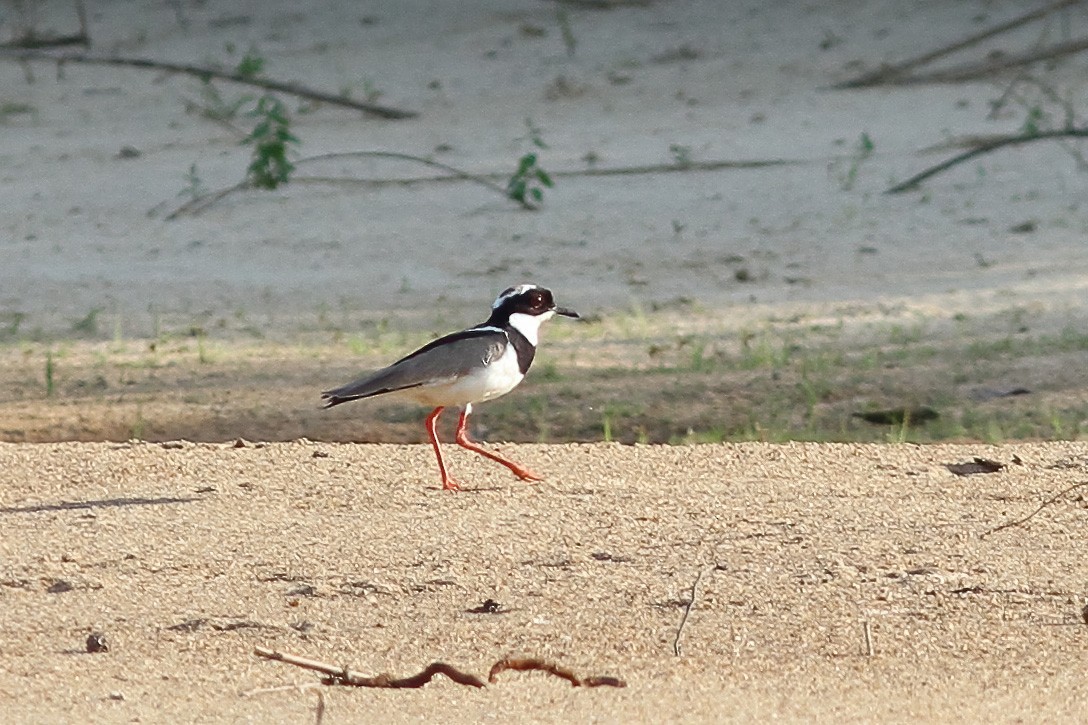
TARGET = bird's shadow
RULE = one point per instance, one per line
(98, 503)
(475, 489)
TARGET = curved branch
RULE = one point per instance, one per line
(198, 204)
(1018, 522)
(457, 173)
(892, 74)
(985, 148)
(295, 89)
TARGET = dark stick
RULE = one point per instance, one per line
(335, 675)
(985, 148)
(294, 89)
(891, 73)
(1029, 517)
(971, 71)
(676, 648)
(343, 676)
(202, 202)
(457, 173)
(535, 665)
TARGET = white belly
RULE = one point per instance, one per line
(498, 378)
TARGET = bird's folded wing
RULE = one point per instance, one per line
(440, 361)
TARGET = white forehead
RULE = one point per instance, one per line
(512, 292)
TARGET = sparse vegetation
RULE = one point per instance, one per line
(777, 380)
(863, 149)
(272, 141)
(526, 185)
(50, 386)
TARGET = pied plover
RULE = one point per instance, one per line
(467, 367)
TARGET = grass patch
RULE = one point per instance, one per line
(654, 377)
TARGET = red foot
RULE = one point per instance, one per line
(465, 442)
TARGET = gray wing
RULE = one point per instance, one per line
(438, 361)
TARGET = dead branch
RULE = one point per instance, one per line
(205, 73)
(894, 74)
(33, 41)
(454, 171)
(30, 40)
(676, 648)
(199, 203)
(991, 66)
(204, 201)
(985, 148)
(1018, 522)
(535, 665)
(335, 675)
(343, 676)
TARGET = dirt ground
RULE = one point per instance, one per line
(187, 556)
(718, 211)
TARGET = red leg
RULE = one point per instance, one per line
(464, 441)
(448, 484)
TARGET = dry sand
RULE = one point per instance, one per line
(188, 557)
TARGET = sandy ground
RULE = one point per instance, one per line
(737, 82)
(188, 557)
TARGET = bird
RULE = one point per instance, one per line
(463, 368)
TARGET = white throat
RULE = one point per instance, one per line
(529, 325)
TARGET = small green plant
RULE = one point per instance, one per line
(862, 151)
(136, 432)
(194, 185)
(250, 66)
(538, 409)
(88, 325)
(566, 31)
(201, 350)
(371, 92)
(10, 322)
(606, 425)
(50, 388)
(271, 138)
(681, 155)
(526, 185)
(1034, 121)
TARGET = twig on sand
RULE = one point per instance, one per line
(199, 203)
(867, 634)
(453, 170)
(676, 648)
(204, 201)
(341, 675)
(895, 74)
(1053, 499)
(204, 72)
(985, 148)
(532, 664)
(990, 66)
(31, 40)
